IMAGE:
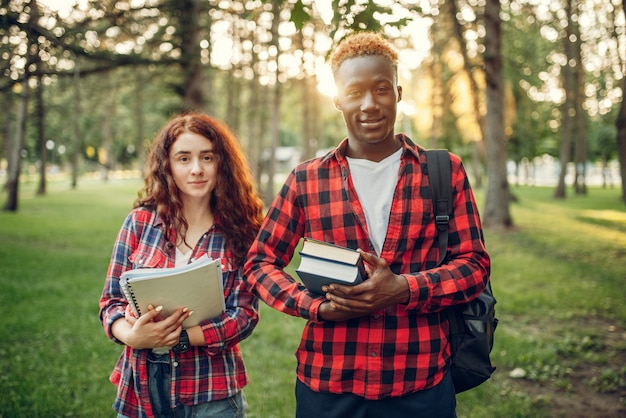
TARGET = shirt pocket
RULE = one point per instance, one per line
(422, 219)
(146, 257)
(420, 233)
(231, 277)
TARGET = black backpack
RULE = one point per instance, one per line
(472, 324)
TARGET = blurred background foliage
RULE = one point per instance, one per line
(85, 85)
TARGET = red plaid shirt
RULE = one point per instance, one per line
(202, 374)
(401, 349)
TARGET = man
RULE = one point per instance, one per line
(379, 348)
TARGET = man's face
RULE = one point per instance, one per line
(367, 95)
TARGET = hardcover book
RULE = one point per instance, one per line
(323, 263)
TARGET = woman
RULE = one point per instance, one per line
(198, 198)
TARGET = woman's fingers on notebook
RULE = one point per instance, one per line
(153, 314)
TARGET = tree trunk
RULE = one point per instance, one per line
(307, 116)
(41, 137)
(77, 140)
(7, 122)
(15, 153)
(309, 101)
(568, 109)
(478, 152)
(580, 121)
(458, 34)
(275, 128)
(105, 155)
(257, 113)
(620, 124)
(140, 118)
(254, 134)
(264, 123)
(191, 66)
(436, 74)
(232, 97)
(234, 87)
(498, 194)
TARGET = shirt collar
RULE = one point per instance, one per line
(409, 147)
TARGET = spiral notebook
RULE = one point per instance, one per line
(197, 286)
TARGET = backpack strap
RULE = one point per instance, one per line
(440, 178)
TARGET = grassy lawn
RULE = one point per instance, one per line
(559, 278)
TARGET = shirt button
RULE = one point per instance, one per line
(175, 364)
(376, 316)
(373, 354)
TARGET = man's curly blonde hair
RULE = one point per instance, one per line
(360, 44)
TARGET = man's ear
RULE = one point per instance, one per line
(336, 103)
(399, 93)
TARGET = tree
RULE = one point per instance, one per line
(527, 61)
(76, 131)
(14, 153)
(191, 27)
(498, 194)
(568, 111)
(620, 123)
(276, 100)
(580, 119)
(150, 49)
(15, 150)
(472, 73)
(40, 116)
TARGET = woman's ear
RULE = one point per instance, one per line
(399, 93)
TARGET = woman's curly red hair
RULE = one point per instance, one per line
(234, 201)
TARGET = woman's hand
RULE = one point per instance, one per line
(151, 330)
(129, 315)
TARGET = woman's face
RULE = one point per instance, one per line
(194, 166)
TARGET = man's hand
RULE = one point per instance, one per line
(380, 290)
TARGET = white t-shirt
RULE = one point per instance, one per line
(182, 258)
(375, 183)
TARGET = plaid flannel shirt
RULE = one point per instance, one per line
(392, 352)
(202, 374)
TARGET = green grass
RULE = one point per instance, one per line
(559, 279)
(54, 358)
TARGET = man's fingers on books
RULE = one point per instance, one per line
(341, 290)
(367, 257)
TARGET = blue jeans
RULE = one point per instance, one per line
(159, 385)
(436, 402)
